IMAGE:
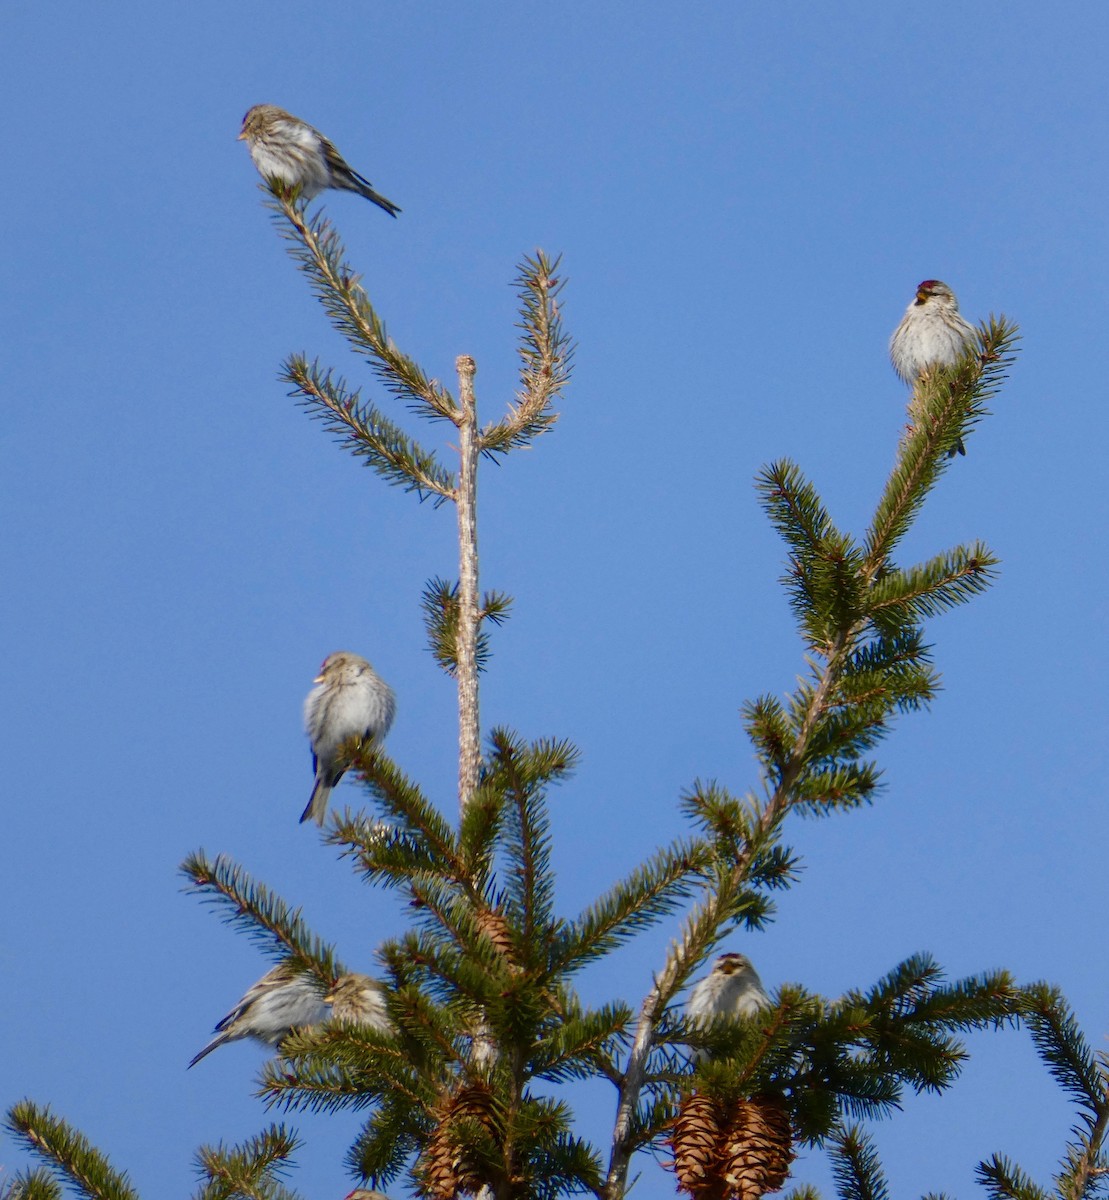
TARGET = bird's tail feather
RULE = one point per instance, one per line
(365, 188)
(207, 1050)
(317, 805)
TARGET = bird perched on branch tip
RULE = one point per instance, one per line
(289, 151)
(932, 333)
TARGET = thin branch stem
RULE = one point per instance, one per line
(710, 914)
(350, 308)
(469, 728)
(1085, 1170)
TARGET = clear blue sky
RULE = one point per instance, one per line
(746, 196)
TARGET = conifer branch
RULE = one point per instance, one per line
(322, 1088)
(479, 832)
(68, 1153)
(933, 587)
(856, 1167)
(336, 1066)
(520, 773)
(385, 854)
(1086, 1171)
(806, 1191)
(441, 607)
(446, 881)
(988, 1001)
(1061, 1045)
(813, 739)
(263, 916)
(546, 353)
(321, 256)
(34, 1184)
(406, 807)
(582, 1046)
(1004, 1180)
(811, 733)
(699, 934)
(948, 406)
(444, 908)
(249, 1170)
(367, 433)
(385, 1142)
(652, 891)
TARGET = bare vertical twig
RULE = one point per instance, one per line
(469, 730)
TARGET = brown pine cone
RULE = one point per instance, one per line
(757, 1148)
(695, 1138)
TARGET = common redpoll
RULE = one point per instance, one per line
(289, 150)
(279, 1002)
(361, 1000)
(932, 333)
(731, 989)
(350, 700)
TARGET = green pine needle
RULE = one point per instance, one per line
(318, 251)
(856, 1166)
(949, 406)
(249, 1170)
(367, 433)
(34, 1184)
(67, 1152)
(1004, 1180)
(546, 354)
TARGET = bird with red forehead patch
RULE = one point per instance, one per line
(291, 152)
(932, 333)
(731, 990)
(350, 702)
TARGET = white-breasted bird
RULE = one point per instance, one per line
(731, 989)
(350, 701)
(932, 333)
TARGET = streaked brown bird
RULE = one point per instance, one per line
(360, 1000)
(290, 151)
(282, 1000)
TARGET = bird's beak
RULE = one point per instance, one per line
(318, 679)
(921, 295)
(329, 998)
(241, 137)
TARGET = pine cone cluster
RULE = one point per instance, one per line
(731, 1152)
(449, 1166)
